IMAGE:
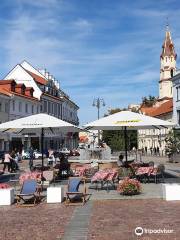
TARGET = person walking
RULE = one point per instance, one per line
(146, 150)
(158, 153)
(13, 162)
(31, 158)
(7, 162)
(51, 157)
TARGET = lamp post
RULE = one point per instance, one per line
(98, 102)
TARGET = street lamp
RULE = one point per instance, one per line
(98, 102)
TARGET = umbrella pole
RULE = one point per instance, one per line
(125, 143)
(42, 145)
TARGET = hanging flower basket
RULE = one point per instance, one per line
(129, 187)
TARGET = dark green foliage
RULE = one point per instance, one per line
(149, 101)
(172, 142)
(115, 139)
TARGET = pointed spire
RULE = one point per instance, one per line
(167, 24)
(168, 46)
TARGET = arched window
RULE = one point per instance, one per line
(172, 72)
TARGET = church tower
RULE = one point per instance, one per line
(168, 66)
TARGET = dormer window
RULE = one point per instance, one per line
(31, 92)
(23, 90)
(13, 86)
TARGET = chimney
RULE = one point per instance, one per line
(42, 71)
(50, 77)
(47, 75)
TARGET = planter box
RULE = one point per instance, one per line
(6, 196)
(171, 192)
(55, 194)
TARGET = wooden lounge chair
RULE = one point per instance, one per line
(158, 173)
(73, 195)
(29, 194)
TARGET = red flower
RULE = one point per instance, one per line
(129, 186)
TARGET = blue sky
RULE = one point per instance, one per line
(98, 48)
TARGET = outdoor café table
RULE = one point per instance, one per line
(30, 175)
(144, 171)
(81, 170)
(103, 177)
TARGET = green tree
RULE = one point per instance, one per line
(149, 101)
(172, 143)
(115, 138)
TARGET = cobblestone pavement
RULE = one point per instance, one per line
(117, 220)
(42, 222)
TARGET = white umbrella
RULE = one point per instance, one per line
(39, 122)
(126, 120)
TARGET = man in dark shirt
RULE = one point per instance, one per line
(31, 158)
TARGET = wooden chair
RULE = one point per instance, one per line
(29, 192)
(74, 196)
(158, 173)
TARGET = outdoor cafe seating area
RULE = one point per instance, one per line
(97, 177)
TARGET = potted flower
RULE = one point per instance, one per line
(129, 186)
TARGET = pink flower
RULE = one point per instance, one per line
(129, 186)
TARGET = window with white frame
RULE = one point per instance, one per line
(26, 108)
(20, 107)
(45, 106)
(13, 105)
(6, 107)
(177, 93)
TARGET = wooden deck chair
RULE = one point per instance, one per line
(73, 195)
(29, 193)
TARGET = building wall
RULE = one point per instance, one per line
(153, 138)
(22, 107)
(4, 108)
(61, 106)
(165, 88)
(4, 117)
(176, 99)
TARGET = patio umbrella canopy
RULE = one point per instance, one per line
(39, 123)
(126, 120)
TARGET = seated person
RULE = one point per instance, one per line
(64, 166)
(120, 161)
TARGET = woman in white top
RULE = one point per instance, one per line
(7, 161)
(51, 157)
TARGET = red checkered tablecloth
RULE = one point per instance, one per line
(30, 175)
(106, 174)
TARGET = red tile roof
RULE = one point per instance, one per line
(5, 82)
(5, 92)
(37, 78)
(8, 92)
(164, 108)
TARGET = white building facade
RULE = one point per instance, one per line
(17, 101)
(51, 100)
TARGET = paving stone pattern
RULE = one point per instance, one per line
(117, 219)
(42, 222)
(79, 224)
